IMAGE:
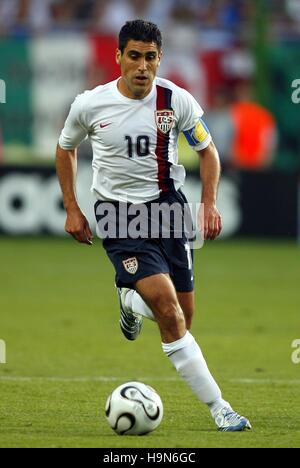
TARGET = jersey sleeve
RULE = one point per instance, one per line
(191, 123)
(75, 129)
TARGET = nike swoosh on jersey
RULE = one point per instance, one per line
(105, 125)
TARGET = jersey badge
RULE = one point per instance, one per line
(164, 120)
(131, 265)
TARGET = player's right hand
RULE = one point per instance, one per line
(77, 225)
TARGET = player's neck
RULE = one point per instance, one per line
(127, 92)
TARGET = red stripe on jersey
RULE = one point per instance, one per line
(165, 183)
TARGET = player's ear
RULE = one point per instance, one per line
(159, 57)
(118, 56)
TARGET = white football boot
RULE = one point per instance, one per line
(130, 322)
(228, 420)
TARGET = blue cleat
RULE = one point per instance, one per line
(228, 420)
(130, 323)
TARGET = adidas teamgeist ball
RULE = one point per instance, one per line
(134, 409)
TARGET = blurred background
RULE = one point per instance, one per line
(239, 58)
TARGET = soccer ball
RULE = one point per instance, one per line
(134, 408)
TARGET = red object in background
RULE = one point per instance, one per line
(103, 67)
(176, 78)
(254, 135)
(211, 60)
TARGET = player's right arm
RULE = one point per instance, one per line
(66, 168)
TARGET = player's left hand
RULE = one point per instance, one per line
(210, 222)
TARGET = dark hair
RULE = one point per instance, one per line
(139, 30)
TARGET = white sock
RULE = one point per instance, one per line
(135, 302)
(189, 362)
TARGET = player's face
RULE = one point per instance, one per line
(139, 63)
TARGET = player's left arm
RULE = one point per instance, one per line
(200, 140)
(210, 169)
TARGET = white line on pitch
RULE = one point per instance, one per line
(266, 381)
(7, 378)
(83, 379)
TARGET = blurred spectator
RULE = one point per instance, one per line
(63, 11)
(219, 22)
(110, 16)
(212, 35)
(160, 12)
(83, 10)
(255, 134)
(238, 62)
(293, 9)
(19, 17)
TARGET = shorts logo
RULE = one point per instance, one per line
(131, 265)
(164, 120)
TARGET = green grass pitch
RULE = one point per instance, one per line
(65, 353)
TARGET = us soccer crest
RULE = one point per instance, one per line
(164, 120)
(131, 265)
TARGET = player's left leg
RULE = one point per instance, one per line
(184, 352)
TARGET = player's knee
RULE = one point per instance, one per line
(170, 313)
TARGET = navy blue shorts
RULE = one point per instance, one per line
(137, 258)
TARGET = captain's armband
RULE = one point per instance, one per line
(198, 136)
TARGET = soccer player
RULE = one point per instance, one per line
(133, 124)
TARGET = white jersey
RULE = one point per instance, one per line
(134, 141)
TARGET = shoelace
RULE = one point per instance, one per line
(231, 416)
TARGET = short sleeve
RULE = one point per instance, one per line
(191, 123)
(75, 130)
(189, 111)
